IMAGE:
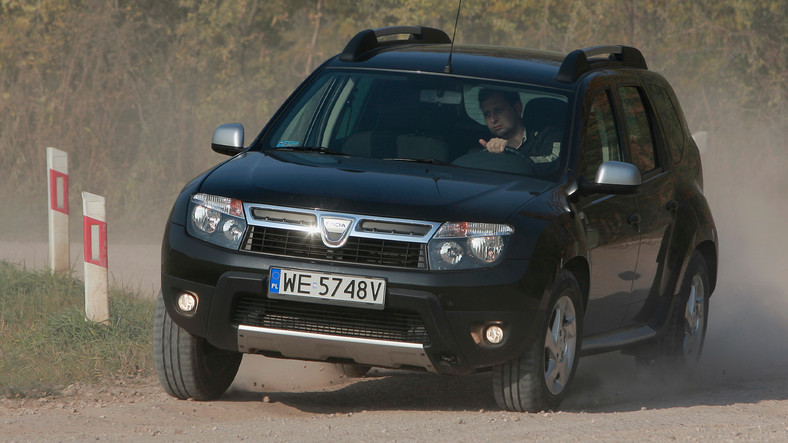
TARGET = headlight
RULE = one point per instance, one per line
(468, 245)
(217, 220)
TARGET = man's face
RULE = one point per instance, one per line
(502, 118)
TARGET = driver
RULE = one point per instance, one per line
(502, 111)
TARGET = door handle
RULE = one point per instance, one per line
(634, 219)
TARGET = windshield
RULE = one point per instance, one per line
(427, 118)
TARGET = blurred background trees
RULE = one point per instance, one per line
(133, 89)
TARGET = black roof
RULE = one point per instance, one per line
(428, 50)
(508, 64)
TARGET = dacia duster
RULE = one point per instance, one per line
(368, 225)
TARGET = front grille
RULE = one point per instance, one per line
(324, 319)
(300, 244)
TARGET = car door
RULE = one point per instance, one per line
(612, 242)
(656, 202)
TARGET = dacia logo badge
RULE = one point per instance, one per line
(334, 230)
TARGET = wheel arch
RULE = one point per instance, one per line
(709, 252)
(579, 267)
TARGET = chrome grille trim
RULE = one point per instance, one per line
(365, 240)
(294, 219)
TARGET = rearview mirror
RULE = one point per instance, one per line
(440, 97)
(613, 177)
(228, 139)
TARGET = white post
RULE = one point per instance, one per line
(57, 185)
(95, 256)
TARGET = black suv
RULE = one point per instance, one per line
(371, 222)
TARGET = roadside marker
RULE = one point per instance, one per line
(57, 186)
(95, 257)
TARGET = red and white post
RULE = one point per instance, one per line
(95, 253)
(57, 185)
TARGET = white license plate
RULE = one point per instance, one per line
(327, 288)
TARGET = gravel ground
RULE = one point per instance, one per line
(404, 406)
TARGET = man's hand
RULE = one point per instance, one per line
(494, 145)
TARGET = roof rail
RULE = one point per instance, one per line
(577, 62)
(367, 40)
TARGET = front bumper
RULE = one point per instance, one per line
(432, 320)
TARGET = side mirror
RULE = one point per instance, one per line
(228, 139)
(613, 178)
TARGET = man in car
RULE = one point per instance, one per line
(502, 112)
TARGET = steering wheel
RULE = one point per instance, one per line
(515, 151)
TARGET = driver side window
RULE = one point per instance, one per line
(600, 139)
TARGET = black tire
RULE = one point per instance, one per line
(522, 384)
(188, 366)
(686, 328)
(351, 370)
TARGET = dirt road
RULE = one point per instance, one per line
(603, 405)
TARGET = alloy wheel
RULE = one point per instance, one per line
(694, 316)
(560, 345)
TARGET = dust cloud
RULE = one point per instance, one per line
(748, 319)
(259, 374)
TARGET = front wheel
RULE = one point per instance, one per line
(188, 366)
(537, 380)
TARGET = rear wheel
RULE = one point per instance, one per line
(538, 380)
(687, 328)
(188, 366)
(685, 332)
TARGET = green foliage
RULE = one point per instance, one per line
(132, 90)
(46, 343)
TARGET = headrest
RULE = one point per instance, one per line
(542, 112)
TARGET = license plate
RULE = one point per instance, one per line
(318, 287)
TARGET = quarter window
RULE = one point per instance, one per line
(600, 139)
(670, 121)
(640, 138)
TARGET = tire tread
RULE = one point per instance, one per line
(518, 384)
(183, 369)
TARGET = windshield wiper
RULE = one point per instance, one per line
(429, 161)
(318, 149)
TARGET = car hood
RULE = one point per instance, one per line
(374, 187)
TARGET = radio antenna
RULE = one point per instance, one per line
(447, 69)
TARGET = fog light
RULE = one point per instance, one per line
(494, 334)
(187, 303)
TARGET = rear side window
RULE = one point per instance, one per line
(640, 137)
(600, 138)
(671, 122)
